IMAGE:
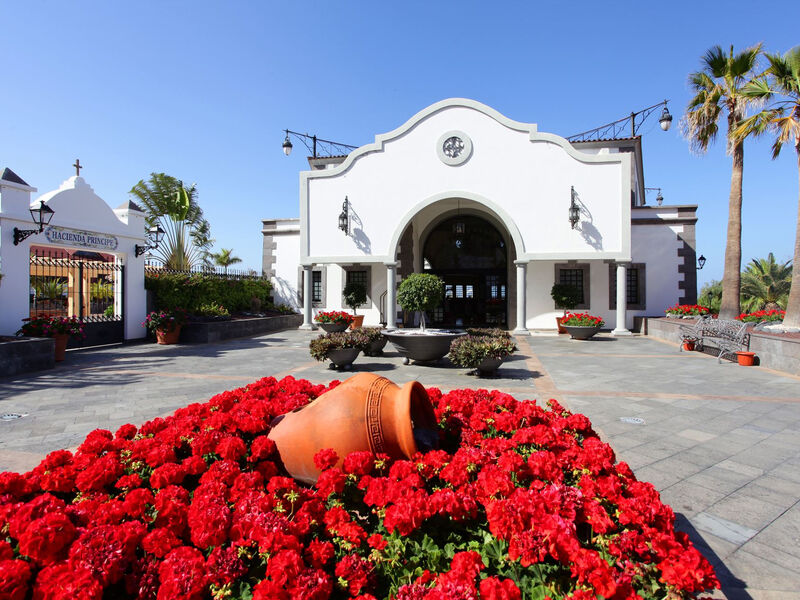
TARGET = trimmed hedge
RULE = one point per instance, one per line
(190, 292)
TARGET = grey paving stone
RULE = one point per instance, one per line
(730, 531)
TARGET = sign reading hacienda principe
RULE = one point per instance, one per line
(84, 239)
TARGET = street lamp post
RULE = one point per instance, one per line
(615, 129)
(317, 146)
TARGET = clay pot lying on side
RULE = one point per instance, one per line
(364, 413)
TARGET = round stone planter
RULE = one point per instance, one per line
(334, 327)
(580, 332)
(376, 347)
(489, 366)
(430, 345)
(342, 358)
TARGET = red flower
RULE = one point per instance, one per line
(493, 588)
(46, 540)
(14, 577)
(182, 575)
(356, 572)
(66, 582)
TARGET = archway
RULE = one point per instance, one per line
(471, 256)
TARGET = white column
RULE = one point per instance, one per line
(521, 328)
(622, 301)
(391, 296)
(307, 293)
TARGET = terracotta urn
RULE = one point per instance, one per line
(358, 321)
(61, 340)
(364, 413)
(746, 359)
(168, 336)
(561, 328)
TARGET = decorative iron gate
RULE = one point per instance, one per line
(87, 285)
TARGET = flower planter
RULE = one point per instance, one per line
(333, 327)
(364, 413)
(746, 359)
(61, 340)
(376, 347)
(358, 321)
(342, 358)
(560, 326)
(166, 337)
(489, 366)
(578, 332)
(688, 346)
(414, 344)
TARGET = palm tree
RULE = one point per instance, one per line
(718, 89)
(783, 119)
(765, 284)
(224, 258)
(187, 235)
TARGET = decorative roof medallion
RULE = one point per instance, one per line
(454, 148)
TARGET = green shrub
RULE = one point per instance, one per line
(192, 291)
(420, 292)
(565, 296)
(212, 309)
(320, 346)
(488, 332)
(468, 350)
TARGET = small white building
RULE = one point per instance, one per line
(483, 202)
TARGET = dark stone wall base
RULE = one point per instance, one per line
(215, 331)
(26, 354)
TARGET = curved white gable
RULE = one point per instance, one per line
(523, 176)
(76, 205)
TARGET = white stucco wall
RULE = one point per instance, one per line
(284, 236)
(522, 176)
(75, 207)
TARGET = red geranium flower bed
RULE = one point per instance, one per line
(520, 501)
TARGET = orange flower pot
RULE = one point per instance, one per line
(561, 328)
(746, 359)
(61, 345)
(358, 322)
(164, 336)
(688, 346)
(364, 413)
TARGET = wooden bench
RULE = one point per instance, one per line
(729, 336)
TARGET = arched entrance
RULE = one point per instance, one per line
(471, 256)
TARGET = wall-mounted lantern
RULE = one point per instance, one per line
(666, 119)
(344, 217)
(41, 216)
(701, 262)
(574, 209)
(155, 234)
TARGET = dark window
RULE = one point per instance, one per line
(573, 277)
(632, 290)
(634, 286)
(357, 277)
(316, 286)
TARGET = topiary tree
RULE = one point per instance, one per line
(354, 294)
(420, 292)
(565, 296)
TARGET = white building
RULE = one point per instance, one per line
(463, 192)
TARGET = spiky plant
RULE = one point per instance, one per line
(224, 258)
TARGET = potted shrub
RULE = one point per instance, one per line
(482, 352)
(339, 347)
(58, 328)
(581, 326)
(420, 292)
(566, 297)
(166, 324)
(333, 320)
(354, 295)
(376, 341)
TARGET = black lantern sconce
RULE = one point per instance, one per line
(701, 262)
(574, 209)
(659, 197)
(41, 216)
(155, 234)
(344, 217)
(666, 119)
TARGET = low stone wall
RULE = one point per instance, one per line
(23, 355)
(215, 331)
(774, 352)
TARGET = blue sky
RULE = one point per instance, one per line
(202, 91)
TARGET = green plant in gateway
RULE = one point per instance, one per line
(354, 295)
(718, 89)
(711, 295)
(782, 118)
(765, 284)
(49, 288)
(565, 296)
(101, 290)
(420, 292)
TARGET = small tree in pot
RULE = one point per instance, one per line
(420, 292)
(567, 297)
(354, 295)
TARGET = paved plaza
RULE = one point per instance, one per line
(721, 442)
